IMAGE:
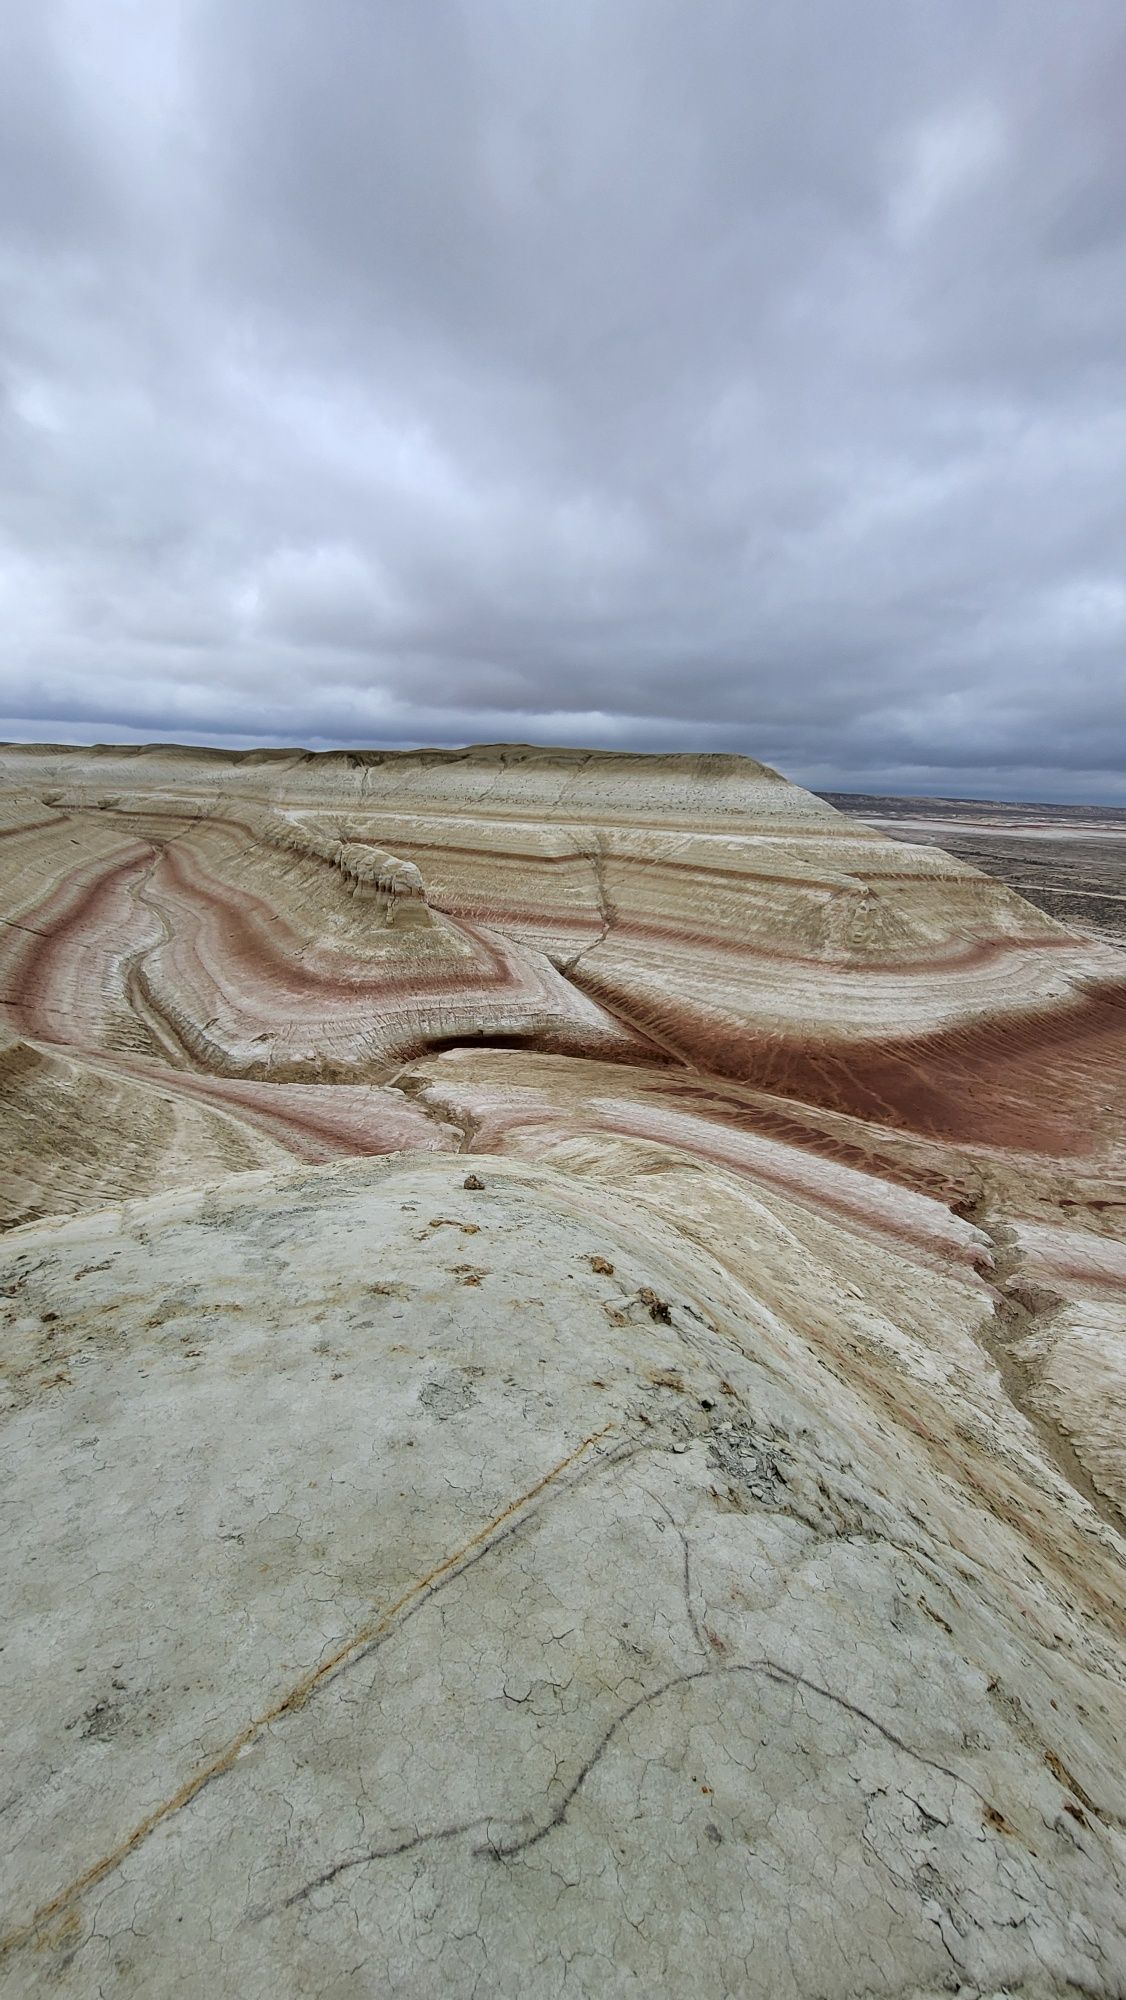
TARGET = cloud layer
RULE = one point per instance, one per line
(622, 373)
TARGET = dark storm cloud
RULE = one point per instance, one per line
(634, 373)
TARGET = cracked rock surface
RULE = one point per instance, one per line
(375, 1632)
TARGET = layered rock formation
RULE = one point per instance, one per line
(661, 1531)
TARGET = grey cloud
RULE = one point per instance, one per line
(622, 373)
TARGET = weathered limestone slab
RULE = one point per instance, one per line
(407, 1600)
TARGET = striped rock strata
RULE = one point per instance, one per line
(659, 1532)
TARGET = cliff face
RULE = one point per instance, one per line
(661, 1527)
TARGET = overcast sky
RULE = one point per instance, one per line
(740, 374)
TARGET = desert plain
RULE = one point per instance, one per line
(564, 1388)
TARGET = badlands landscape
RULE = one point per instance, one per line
(565, 1377)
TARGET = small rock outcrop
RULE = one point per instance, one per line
(394, 886)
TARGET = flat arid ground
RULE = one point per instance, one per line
(1068, 860)
(565, 1385)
